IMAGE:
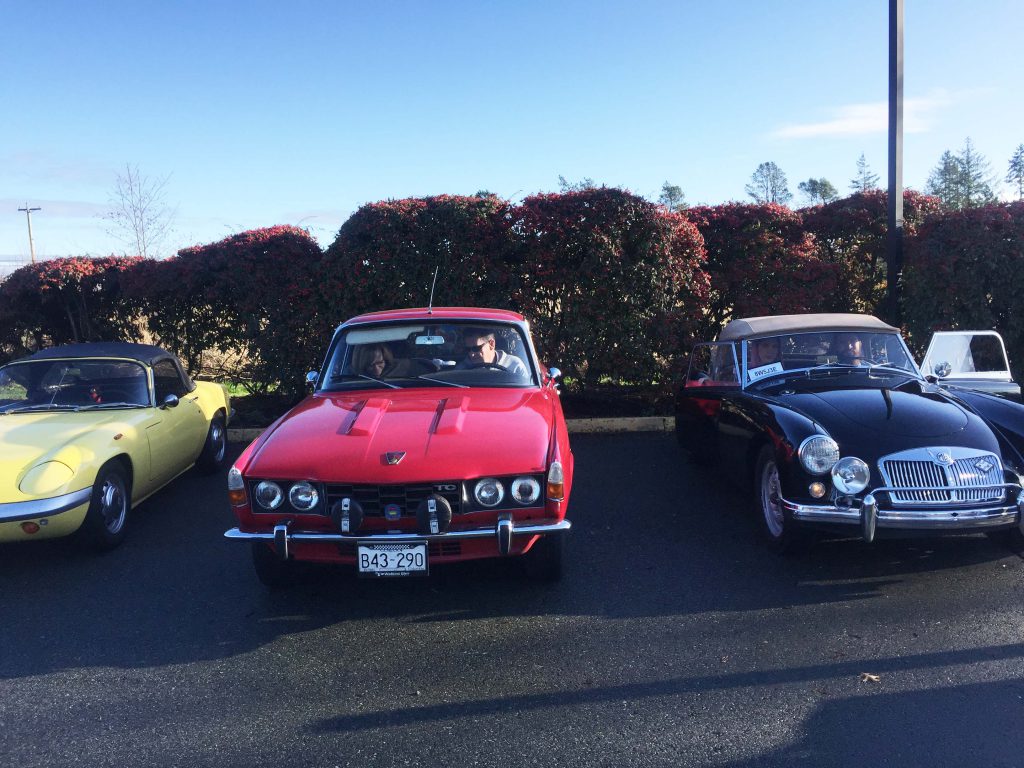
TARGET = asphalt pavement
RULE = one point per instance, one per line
(675, 638)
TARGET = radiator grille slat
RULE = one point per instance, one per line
(967, 479)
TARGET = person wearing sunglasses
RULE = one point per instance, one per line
(482, 352)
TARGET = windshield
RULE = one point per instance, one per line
(771, 356)
(72, 385)
(454, 354)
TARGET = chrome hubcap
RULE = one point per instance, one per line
(217, 435)
(113, 505)
(771, 505)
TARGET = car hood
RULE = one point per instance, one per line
(889, 412)
(345, 437)
(29, 438)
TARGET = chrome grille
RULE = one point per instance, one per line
(958, 480)
(373, 498)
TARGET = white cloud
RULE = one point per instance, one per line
(859, 119)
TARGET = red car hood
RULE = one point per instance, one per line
(444, 433)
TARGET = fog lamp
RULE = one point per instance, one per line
(850, 475)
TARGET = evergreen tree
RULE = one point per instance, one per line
(818, 191)
(768, 185)
(865, 180)
(946, 181)
(672, 197)
(962, 181)
(1015, 175)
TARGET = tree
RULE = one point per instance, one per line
(962, 181)
(768, 185)
(818, 191)
(139, 215)
(564, 185)
(1015, 175)
(672, 197)
(865, 180)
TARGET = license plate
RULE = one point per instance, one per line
(392, 559)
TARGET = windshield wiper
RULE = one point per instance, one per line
(42, 407)
(101, 406)
(351, 376)
(890, 368)
(442, 381)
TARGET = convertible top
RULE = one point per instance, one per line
(772, 325)
(144, 353)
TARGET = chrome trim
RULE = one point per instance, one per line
(237, 534)
(945, 476)
(946, 518)
(26, 510)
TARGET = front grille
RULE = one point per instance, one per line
(966, 476)
(373, 498)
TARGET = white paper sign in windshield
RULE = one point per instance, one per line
(754, 374)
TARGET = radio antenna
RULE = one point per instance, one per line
(430, 305)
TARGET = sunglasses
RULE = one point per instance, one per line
(475, 347)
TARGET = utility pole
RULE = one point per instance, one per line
(894, 262)
(31, 243)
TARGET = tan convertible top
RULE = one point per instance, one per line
(771, 325)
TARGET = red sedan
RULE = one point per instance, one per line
(432, 436)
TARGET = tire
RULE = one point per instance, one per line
(211, 458)
(106, 521)
(271, 570)
(778, 531)
(544, 560)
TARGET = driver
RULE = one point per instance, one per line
(481, 351)
(849, 349)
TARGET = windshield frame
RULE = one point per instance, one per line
(17, 407)
(528, 355)
(912, 371)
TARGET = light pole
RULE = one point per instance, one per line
(894, 261)
(31, 243)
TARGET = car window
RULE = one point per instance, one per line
(713, 365)
(957, 354)
(168, 381)
(430, 354)
(64, 383)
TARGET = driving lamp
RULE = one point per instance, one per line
(303, 496)
(850, 475)
(818, 454)
(269, 495)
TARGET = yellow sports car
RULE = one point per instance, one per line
(88, 431)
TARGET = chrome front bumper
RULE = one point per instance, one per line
(502, 531)
(939, 518)
(39, 508)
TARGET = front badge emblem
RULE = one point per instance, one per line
(983, 466)
(393, 457)
(392, 512)
(944, 458)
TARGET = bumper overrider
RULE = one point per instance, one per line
(870, 516)
(503, 532)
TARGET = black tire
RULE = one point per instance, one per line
(544, 560)
(106, 521)
(211, 458)
(775, 527)
(271, 570)
(1011, 538)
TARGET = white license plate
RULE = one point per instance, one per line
(392, 559)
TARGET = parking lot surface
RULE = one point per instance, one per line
(675, 638)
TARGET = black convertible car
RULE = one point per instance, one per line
(832, 420)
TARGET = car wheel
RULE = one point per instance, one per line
(271, 569)
(775, 529)
(215, 447)
(544, 560)
(107, 518)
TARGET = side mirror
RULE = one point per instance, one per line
(554, 374)
(943, 369)
(171, 401)
(311, 378)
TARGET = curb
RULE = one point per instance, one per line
(575, 426)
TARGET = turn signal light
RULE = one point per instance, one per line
(30, 527)
(817, 490)
(556, 482)
(237, 498)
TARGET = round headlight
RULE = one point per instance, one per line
(525, 490)
(818, 454)
(850, 475)
(489, 492)
(303, 496)
(269, 495)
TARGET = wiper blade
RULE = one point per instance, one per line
(43, 407)
(101, 406)
(442, 381)
(890, 368)
(351, 376)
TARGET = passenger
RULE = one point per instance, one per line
(764, 352)
(373, 360)
(849, 349)
(481, 350)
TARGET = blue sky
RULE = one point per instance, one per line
(270, 113)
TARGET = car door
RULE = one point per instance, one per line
(711, 382)
(971, 359)
(177, 436)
